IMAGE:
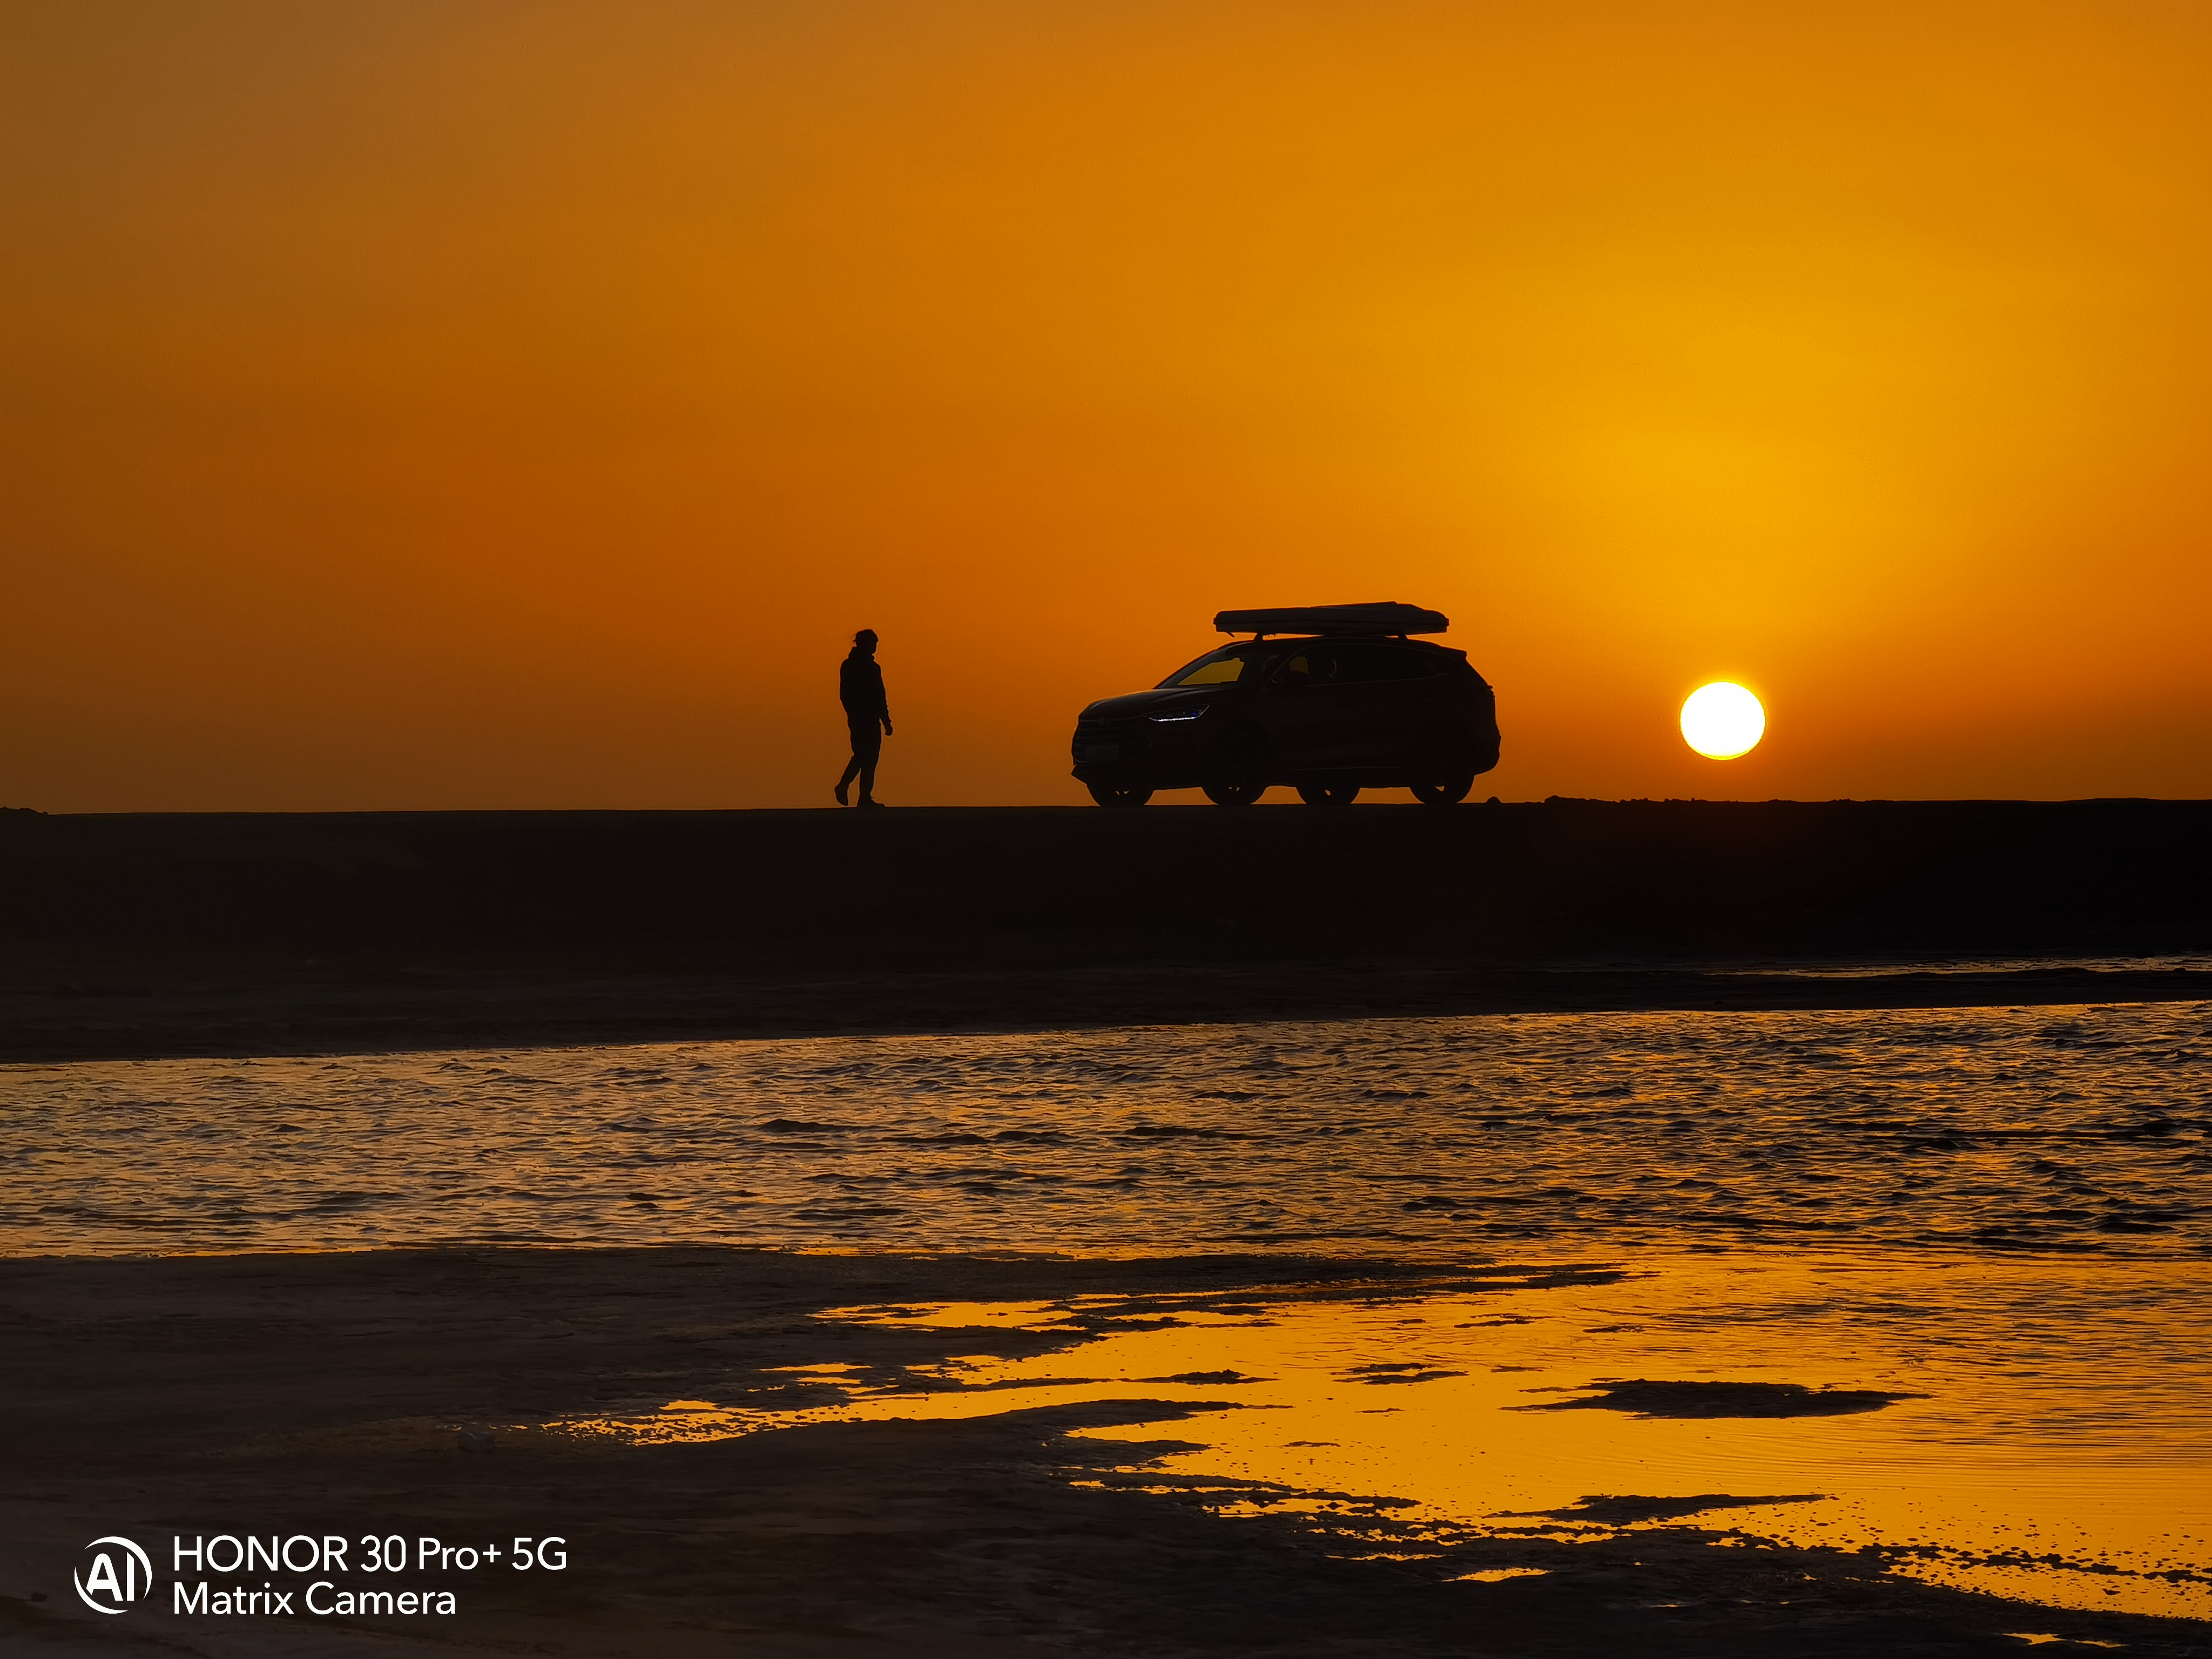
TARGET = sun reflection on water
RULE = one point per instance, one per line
(2031, 1435)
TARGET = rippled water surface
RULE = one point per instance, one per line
(2074, 1130)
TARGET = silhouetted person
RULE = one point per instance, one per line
(860, 689)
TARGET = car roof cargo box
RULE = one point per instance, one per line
(1383, 616)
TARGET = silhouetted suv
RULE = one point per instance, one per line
(1330, 699)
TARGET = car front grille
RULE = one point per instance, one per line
(1111, 742)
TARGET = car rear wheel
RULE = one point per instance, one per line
(1328, 794)
(1444, 771)
(1236, 770)
(1108, 794)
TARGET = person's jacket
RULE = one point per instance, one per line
(860, 689)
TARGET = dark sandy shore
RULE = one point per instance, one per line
(327, 1395)
(243, 934)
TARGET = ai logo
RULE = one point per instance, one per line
(119, 1575)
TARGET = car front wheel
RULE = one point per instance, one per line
(1236, 770)
(1107, 794)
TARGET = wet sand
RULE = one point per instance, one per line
(56, 1006)
(331, 1394)
(59, 1008)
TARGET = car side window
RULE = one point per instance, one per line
(1370, 663)
(1312, 667)
(1413, 666)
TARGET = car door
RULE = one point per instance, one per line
(1309, 707)
(1383, 707)
(1417, 695)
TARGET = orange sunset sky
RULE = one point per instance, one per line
(458, 403)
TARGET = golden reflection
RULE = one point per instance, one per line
(2004, 1453)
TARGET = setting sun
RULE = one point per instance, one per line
(1722, 720)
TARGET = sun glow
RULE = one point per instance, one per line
(1722, 720)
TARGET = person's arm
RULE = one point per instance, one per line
(883, 702)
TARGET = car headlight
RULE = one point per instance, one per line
(1178, 716)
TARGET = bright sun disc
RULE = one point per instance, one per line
(1721, 721)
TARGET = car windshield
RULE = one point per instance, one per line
(1223, 667)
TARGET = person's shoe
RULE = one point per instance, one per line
(867, 801)
(840, 795)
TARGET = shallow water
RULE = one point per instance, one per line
(2047, 1434)
(1990, 1130)
(1997, 1216)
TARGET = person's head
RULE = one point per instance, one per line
(864, 641)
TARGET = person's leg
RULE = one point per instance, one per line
(865, 758)
(868, 743)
